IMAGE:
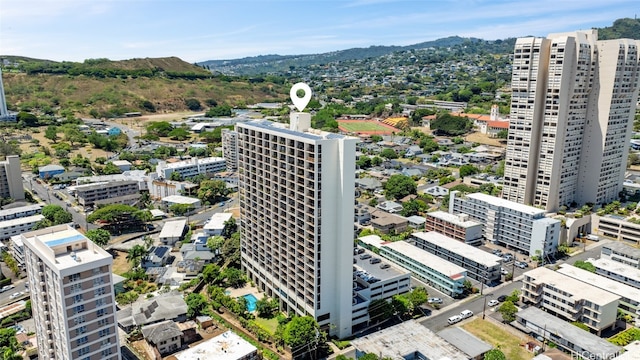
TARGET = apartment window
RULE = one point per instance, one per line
(78, 309)
(74, 277)
(77, 298)
(82, 340)
(83, 351)
(76, 288)
(103, 322)
(81, 330)
(100, 302)
(99, 291)
(104, 332)
(79, 320)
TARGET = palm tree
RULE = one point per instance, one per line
(135, 254)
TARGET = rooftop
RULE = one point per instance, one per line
(627, 271)
(406, 338)
(194, 161)
(424, 257)
(227, 346)
(496, 201)
(173, 228)
(126, 175)
(599, 281)
(632, 352)
(623, 248)
(21, 221)
(576, 288)
(465, 341)
(311, 134)
(458, 220)
(65, 247)
(217, 221)
(553, 325)
(16, 210)
(460, 248)
(148, 311)
(179, 199)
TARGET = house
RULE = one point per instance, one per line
(216, 224)
(387, 223)
(465, 342)
(157, 256)
(437, 191)
(190, 252)
(167, 201)
(168, 306)
(164, 337)
(416, 222)
(227, 346)
(362, 213)
(155, 273)
(190, 267)
(68, 176)
(123, 165)
(368, 183)
(413, 150)
(172, 231)
(390, 206)
(49, 171)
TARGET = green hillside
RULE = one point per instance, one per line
(621, 28)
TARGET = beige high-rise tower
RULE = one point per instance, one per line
(572, 108)
(72, 296)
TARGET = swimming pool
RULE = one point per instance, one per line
(251, 302)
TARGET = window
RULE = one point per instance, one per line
(99, 291)
(78, 309)
(84, 350)
(74, 277)
(77, 298)
(104, 332)
(79, 320)
(101, 312)
(100, 302)
(81, 330)
(82, 340)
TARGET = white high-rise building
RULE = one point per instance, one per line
(11, 178)
(296, 190)
(72, 296)
(4, 113)
(572, 108)
(230, 149)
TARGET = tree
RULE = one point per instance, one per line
(389, 154)
(229, 228)
(234, 277)
(380, 310)
(99, 236)
(56, 214)
(119, 214)
(135, 254)
(215, 243)
(211, 274)
(585, 265)
(494, 354)
(27, 119)
(110, 169)
(211, 191)
(175, 176)
(51, 133)
(514, 297)
(418, 296)
(468, 169)
(301, 331)
(399, 186)
(159, 128)
(231, 249)
(196, 303)
(220, 110)
(267, 307)
(401, 305)
(179, 134)
(413, 207)
(181, 209)
(193, 104)
(508, 311)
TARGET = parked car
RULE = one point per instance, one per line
(365, 256)
(503, 271)
(493, 302)
(374, 261)
(15, 295)
(385, 266)
(502, 298)
(521, 264)
(6, 288)
(454, 319)
(465, 314)
(434, 300)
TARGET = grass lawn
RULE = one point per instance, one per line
(493, 334)
(268, 324)
(120, 264)
(352, 126)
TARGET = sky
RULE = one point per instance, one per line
(199, 30)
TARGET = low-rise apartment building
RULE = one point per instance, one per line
(458, 227)
(617, 271)
(516, 226)
(622, 253)
(22, 211)
(629, 296)
(568, 337)
(16, 248)
(104, 193)
(441, 274)
(191, 167)
(616, 227)
(480, 265)
(570, 299)
(139, 176)
(9, 228)
(159, 188)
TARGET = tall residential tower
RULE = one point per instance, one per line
(572, 107)
(72, 295)
(296, 188)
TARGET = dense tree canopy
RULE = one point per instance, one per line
(494, 354)
(452, 125)
(99, 236)
(399, 186)
(300, 331)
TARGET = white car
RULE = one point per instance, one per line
(493, 302)
(15, 295)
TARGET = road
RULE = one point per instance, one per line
(45, 193)
(19, 287)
